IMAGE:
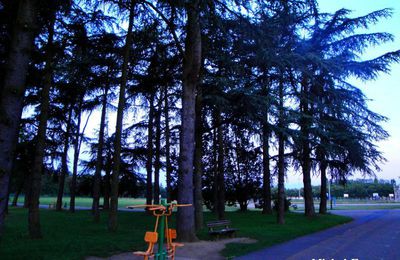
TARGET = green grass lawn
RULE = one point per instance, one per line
(74, 236)
(86, 201)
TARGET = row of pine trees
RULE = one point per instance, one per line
(226, 97)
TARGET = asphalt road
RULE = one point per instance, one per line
(374, 234)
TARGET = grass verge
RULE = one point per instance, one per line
(74, 236)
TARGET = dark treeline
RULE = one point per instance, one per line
(355, 189)
(222, 97)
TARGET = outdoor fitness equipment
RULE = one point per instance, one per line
(162, 211)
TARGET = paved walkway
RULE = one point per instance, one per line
(375, 235)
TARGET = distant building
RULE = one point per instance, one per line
(396, 192)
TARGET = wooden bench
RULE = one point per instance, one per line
(220, 228)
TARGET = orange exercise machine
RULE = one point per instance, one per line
(161, 232)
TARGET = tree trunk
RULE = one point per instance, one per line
(309, 209)
(240, 186)
(281, 160)
(112, 217)
(99, 161)
(149, 161)
(14, 203)
(7, 201)
(28, 188)
(72, 188)
(157, 163)
(191, 69)
(281, 179)
(323, 201)
(167, 145)
(215, 168)
(12, 94)
(198, 166)
(221, 159)
(107, 188)
(243, 205)
(267, 209)
(23, 186)
(36, 174)
(64, 162)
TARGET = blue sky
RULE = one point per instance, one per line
(384, 92)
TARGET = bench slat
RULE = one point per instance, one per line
(218, 223)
